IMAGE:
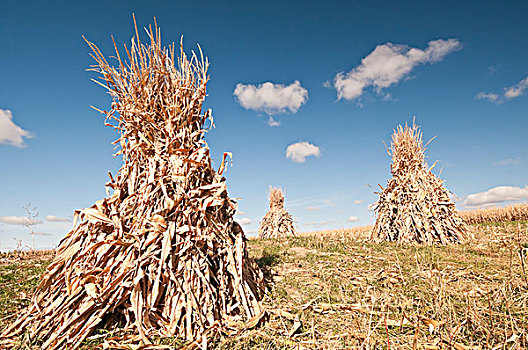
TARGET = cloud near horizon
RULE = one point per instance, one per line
(10, 133)
(271, 98)
(387, 64)
(298, 152)
(243, 221)
(41, 234)
(353, 219)
(19, 220)
(509, 93)
(496, 195)
(53, 218)
(312, 208)
(317, 223)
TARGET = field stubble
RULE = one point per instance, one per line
(335, 290)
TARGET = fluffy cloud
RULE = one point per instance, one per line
(487, 96)
(19, 220)
(41, 234)
(359, 201)
(312, 208)
(508, 162)
(517, 89)
(10, 133)
(497, 195)
(317, 223)
(353, 219)
(387, 65)
(508, 94)
(298, 152)
(243, 221)
(271, 98)
(273, 122)
(52, 218)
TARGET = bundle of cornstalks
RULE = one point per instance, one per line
(415, 206)
(161, 256)
(514, 212)
(277, 222)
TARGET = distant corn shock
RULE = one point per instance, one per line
(277, 222)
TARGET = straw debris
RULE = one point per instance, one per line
(161, 256)
(415, 206)
(277, 222)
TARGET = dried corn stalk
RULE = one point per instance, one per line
(513, 212)
(277, 222)
(162, 254)
(415, 206)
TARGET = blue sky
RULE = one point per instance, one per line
(337, 76)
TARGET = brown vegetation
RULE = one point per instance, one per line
(514, 212)
(277, 222)
(340, 291)
(415, 206)
(161, 256)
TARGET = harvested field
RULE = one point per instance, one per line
(339, 291)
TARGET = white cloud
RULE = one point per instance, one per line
(359, 201)
(41, 234)
(271, 98)
(497, 195)
(52, 218)
(487, 96)
(508, 94)
(508, 162)
(353, 219)
(243, 221)
(317, 223)
(19, 220)
(387, 65)
(298, 152)
(312, 208)
(273, 122)
(10, 133)
(517, 89)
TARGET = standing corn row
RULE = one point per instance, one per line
(415, 206)
(277, 222)
(514, 212)
(162, 255)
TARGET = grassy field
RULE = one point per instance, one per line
(335, 290)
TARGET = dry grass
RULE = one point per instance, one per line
(333, 290)
(351, 294)
(514, 212)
